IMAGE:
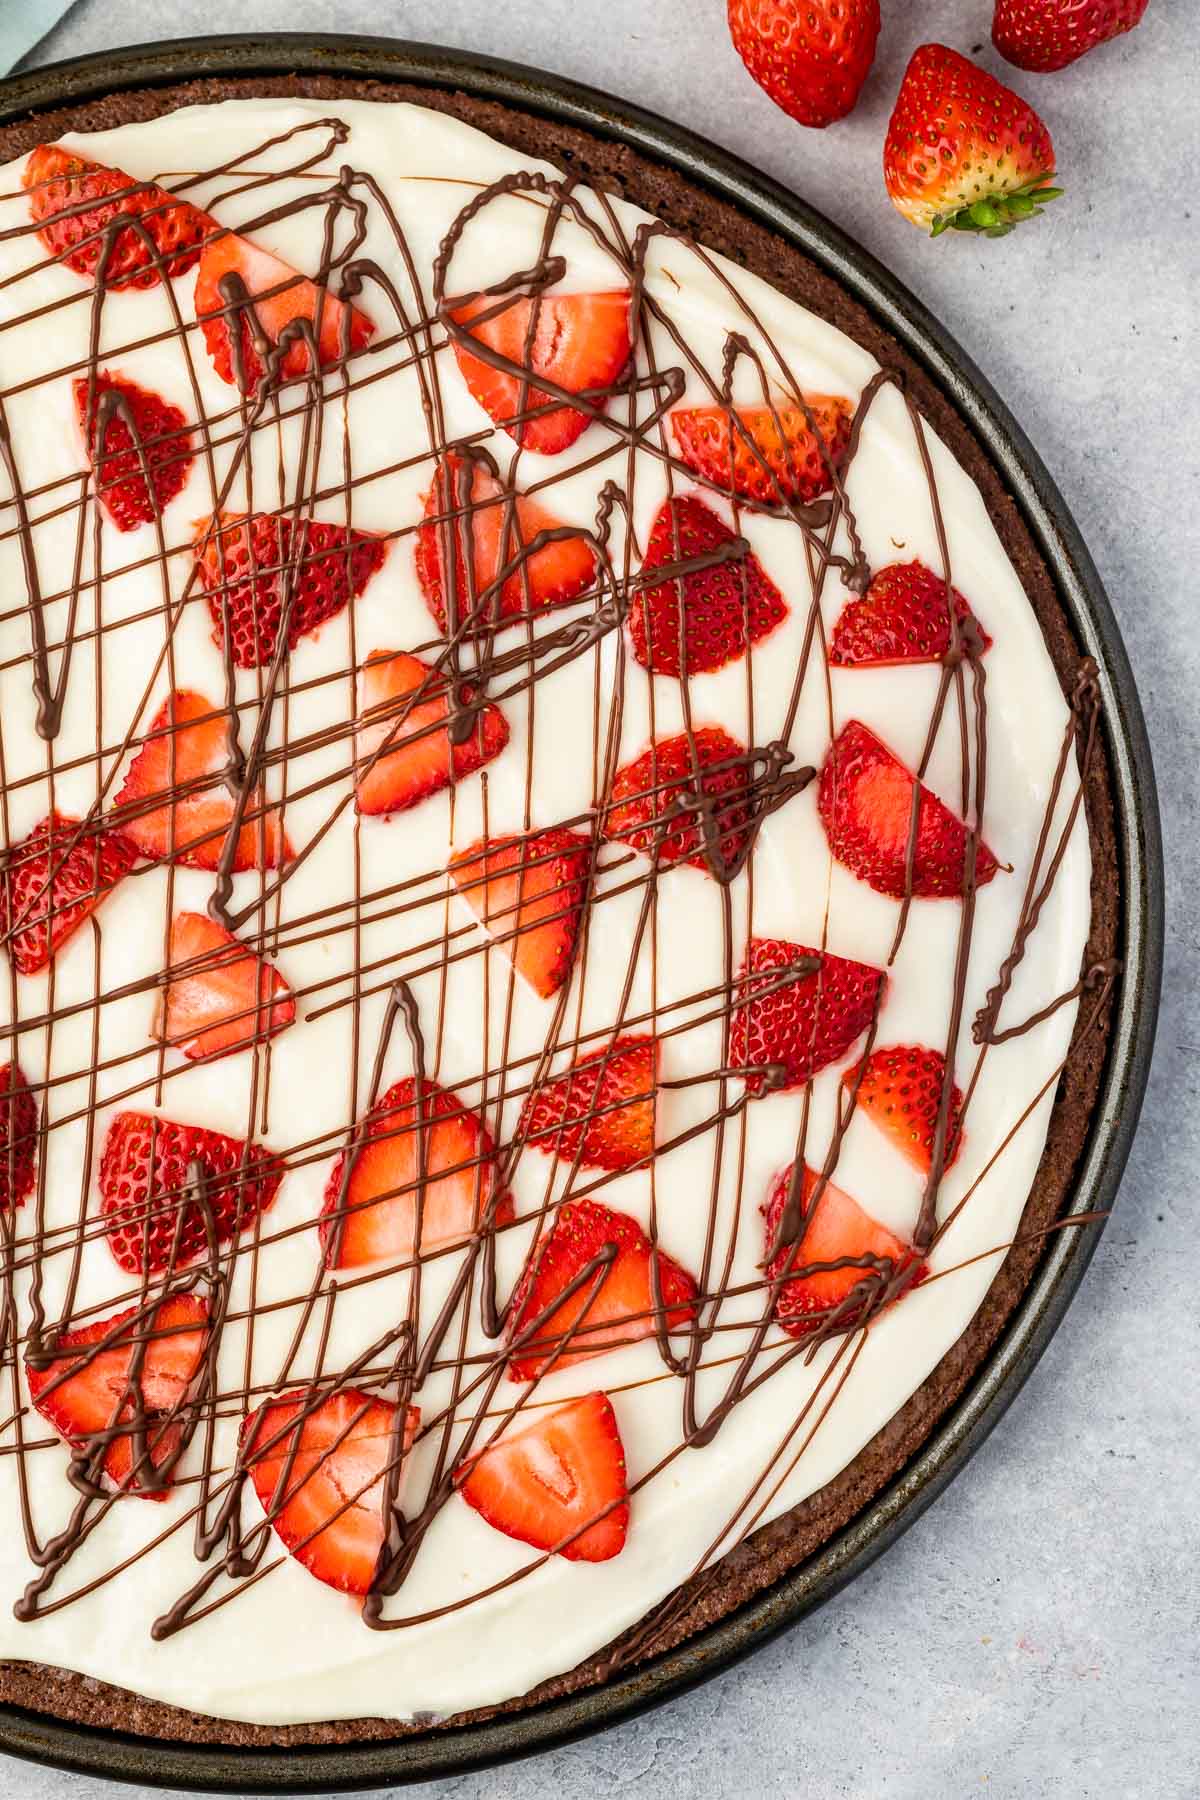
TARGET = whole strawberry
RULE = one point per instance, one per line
(1043, 35)
(963, 150)
(810, 56)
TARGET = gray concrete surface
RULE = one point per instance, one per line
(1035, 1635)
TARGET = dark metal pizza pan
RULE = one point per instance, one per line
(1033, 1322)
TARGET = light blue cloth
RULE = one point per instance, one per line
(24, 23)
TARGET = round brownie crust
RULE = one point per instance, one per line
(786, 1543)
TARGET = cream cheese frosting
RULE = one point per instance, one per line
(285, 1648)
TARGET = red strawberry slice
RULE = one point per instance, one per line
(902, 618)
(148, 1189)
(18, 1137)
(244, 296)
(810, 56)
(557, 1482)
(1044, 35)
(963, 150)
(323, 1471)
(124, 428)
(601, 1112)
(73, 201)
(250, 565)
(866, 805)
(580, 343)
(175, 804)
(435, 1159)
(529, 893)
(54, 880)
(662, 799)
(86, 1393)
(220, 997)
(901, 1090)
(841, 1259)
(404, 703)
(707, 615)
(798, 1017)
(773, 454)
(468, 520)
(623, 1307)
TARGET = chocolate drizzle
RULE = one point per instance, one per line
(470, 669)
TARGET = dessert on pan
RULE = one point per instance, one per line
(558, 901)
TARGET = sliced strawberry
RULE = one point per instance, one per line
(842, 1258)
(901, 1089)
(623, 1307)
(219, 996)
(773, 454)
(711, 612)
(18, 1137)
(581, 344)
(556, 1481)
(54, 880)
(468, 519)
(435, 1159)
(866, 805)
(530, 894)
(87, 1393)
(664, 798)
(799, 1018)
(175, 804)
(159, 439)
(404, 703)
(601, 1111)
(246, 299)
(250, 564)
(73, 202)
(323, 1472)
(148, 1196)
(902, 618)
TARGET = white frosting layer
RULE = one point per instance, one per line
(288, 1648)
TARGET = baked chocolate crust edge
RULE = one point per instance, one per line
(789, 1541)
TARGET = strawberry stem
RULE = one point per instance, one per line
(997, 214)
